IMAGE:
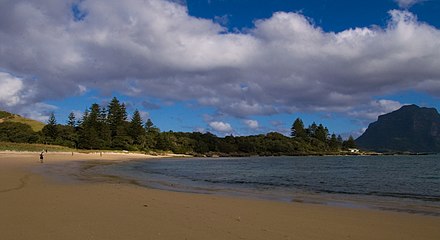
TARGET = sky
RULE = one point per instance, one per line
(239, 67)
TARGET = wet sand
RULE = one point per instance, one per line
(35, 206)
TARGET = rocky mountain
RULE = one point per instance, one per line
(409, 129)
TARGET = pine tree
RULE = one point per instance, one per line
(123, 112)
(52, 121)
(297, 129)
(89, 130)
(137, 131)
(114, 116)
(94, 115)
(149, 125)
(350, 143)
(50, 130)
(71, 122)
(311, 130)
(340, 140)
(152, 134)
(333, 143)
(321, 133)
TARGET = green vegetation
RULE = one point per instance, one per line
(26, 147)
(4, 115)
(108, 128)
(8, 117)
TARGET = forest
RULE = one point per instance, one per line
(108, 128)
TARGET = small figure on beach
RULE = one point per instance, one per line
(41, 156)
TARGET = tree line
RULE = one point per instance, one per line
(109, 128)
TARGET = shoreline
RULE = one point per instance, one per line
(36, 207)
(353, 201)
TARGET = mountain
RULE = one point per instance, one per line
(409, 129)
(9, 117)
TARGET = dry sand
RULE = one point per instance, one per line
(33, 206)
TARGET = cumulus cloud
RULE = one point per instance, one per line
(38, 111)
(10, 88)
(407, 3)
(252, 124)
(221, 127)
(372, 110)
(154, 48)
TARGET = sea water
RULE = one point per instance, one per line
(401, 183)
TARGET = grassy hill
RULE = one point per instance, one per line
(9, 117)
(9, 146)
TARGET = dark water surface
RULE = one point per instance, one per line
(400, 183)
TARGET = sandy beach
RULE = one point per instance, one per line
(35, 206)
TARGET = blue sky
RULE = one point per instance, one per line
(331, 15)
(226, 66)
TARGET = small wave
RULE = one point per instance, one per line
(407, 195)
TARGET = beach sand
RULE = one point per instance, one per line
(34, 206)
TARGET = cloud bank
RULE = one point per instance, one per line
(154, 49)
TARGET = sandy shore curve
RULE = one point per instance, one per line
(33, 206)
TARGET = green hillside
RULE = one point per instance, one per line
(9, 117)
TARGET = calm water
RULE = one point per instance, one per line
(402, 183)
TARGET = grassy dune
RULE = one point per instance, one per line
(26, 147)
(8, 117)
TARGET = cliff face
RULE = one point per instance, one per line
(411, 128)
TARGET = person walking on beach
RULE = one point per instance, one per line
(41, 156)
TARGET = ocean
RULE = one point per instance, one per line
(397, 183)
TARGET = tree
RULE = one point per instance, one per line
(152, 134)
(118, 126)
(88, 133)
(17, 132)
(137, 131)
(67, 136)
(149, 126)
(71, 120)
(114, 116)
(340, 140)
(50, 130)
(350, 143)
(297, 129)
(321, 133)
(93, 130)
(123, 112)
(311, 130)
(334, 143)
(165, 141)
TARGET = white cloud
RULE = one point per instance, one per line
(38, 111)
(199, 129)
(10, 88)
(371, 111)
(154, 48)
(252, 124)
(221, 127)
(407, 3)
(144, 115)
